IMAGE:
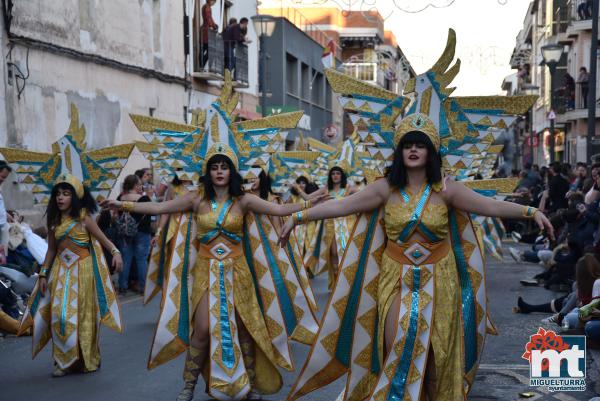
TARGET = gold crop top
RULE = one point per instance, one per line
(433, 223)
(219, 221)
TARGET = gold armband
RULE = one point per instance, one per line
(43, 271)
(300, 217)
(127, 206)
(529, 212)
(114, 251)
(307, 204)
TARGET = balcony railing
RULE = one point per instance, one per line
(368, 72)
(213, 55)
(580, 10)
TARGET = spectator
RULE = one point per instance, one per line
(135, 234)
(580, 179)
(233, 36)
(583, 81)
(569, 91)
(207, 24)
(588, 289)
(558, 186)
(145, 175)
(584, 9)
(5, 171)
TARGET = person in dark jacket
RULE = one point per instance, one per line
(233, 36)
(558, 186)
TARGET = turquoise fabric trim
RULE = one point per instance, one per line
(317, 250)
(405, 196)
(427, 232)
(397, 387)
(65, 299)
(250, 260)
(35, 304)
(408, 229)
(344, 344)
(100, 294)
(227, 354)
(468, 297)
(163, 255)
(183, 327)
(375, 363)
(290, 252)
(83, 244)
(67, 232)
(287, 305)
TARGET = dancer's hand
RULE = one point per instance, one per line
(285, 232)
(43, 285)
(117, 262)
(544, 224)
(320, 198)
(111, 204)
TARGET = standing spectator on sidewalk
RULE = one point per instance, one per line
(208, 24)
(5, 170)
(135, 232)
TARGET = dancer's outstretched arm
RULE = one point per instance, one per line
(182, 204)
(463, 198)
(370, 198)
(253, 203)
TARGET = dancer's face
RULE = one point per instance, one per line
(414, 154)
(64, 197)
(255, 182)
(219, 174)
(301, 185)
(336, 177)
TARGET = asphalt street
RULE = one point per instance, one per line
(503, 374)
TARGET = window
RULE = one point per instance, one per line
(291, 73)
(317, 89)
(305, 81)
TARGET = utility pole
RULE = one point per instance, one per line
(593, 77)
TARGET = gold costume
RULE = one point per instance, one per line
(429, 257)
(79, 292)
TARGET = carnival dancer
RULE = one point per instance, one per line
(234, 330)
(408, 314)
(163, 243)
(74, 293)
(337, 230)
(267, 228)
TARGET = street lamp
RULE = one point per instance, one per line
(552, 54)
(264, 25)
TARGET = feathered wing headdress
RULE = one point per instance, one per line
(98, 169)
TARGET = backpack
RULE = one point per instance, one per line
(127, 226)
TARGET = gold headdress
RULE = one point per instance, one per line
(421, 123)
(73, 181)
(220, 148)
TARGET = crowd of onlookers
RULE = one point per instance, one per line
(570, 197)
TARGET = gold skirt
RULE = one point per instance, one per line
(446, 330)
(268, 379)
(82, 293)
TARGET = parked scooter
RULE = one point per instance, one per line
(19, 286)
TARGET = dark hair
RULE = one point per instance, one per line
(397, 174)
(5, 166)
(53, 214)
(140, 173)
(264, 187)
(330, 181)
(235, 179)
(130, 182)
(298, 181)
(310, 188)
(244, 20)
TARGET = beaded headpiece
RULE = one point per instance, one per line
(420, 123)
(73, 181)
(220, 148)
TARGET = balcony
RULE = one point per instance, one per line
(368, 72)
(574, 106)
(213, 57)
(580, 17)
